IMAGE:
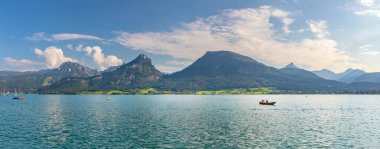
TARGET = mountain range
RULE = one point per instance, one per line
(217, 70)
(137, 74)
(348, 76)
(32, 80)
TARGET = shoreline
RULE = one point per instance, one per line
(188, 94)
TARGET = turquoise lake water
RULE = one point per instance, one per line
(190, 121)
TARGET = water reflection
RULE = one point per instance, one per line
(55, 131)
(171, 121)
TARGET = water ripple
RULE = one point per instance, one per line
(169, 121)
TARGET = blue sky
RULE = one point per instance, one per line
(314, 34)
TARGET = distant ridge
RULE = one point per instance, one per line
(32, 80)
(291, 65)
(373, 77)
(292, 69)
(348, 76)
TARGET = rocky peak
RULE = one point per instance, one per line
(291, 65)
(68, 66)
(74, 67)
(141, 59)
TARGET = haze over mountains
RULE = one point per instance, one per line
(216, 70)
(348, 76)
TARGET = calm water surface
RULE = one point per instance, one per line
(177, 121)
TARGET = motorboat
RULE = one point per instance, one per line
(267, 103)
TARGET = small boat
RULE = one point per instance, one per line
(267, 103)
(18, 98)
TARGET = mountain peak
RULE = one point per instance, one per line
(291, 65)
(348, 70)
(214, 63)
(69, 64)
(326, 70)
(224, 55)
(76, 68)
(141, 59)
(135, 74)
(219, 52)
(142, 56)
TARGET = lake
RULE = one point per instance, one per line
(191, 121)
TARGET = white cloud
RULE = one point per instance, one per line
(367, 51)
(284, 17)
(367, 3)
(369, 12)
(23, 64)
(246, 31)
(365, 47)
(287, 22)
(67, 36)
(371, 53)
(13, 61)
(367, 8)
(280, 13)
(37, 36)
(79, 47)
(69, 46)
(54, 56)
(62, 36)
(102, 61)
(319, 28)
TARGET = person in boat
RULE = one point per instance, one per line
(262, 101)
(266, 101)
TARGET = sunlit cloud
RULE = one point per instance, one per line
(284, 17)
(245, 31)
(102, 61)
(367, 8)
(319, 28)
(54, 56)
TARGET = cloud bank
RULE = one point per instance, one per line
(245, 31)
(23, 64)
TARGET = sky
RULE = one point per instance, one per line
(314, 34)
